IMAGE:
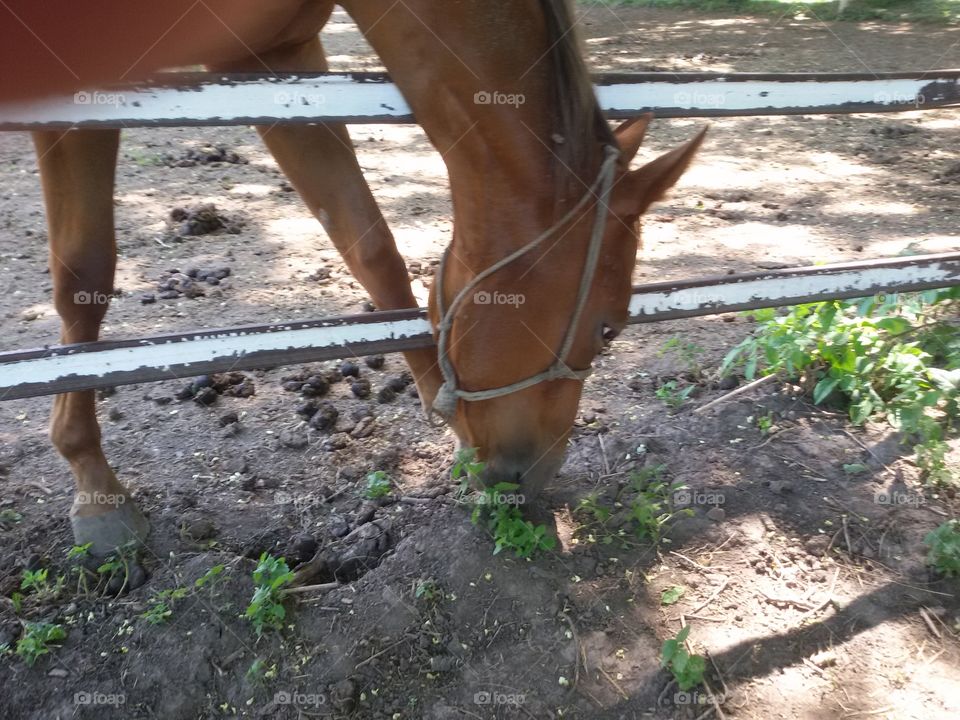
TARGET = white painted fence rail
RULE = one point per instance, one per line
(196, 99)
(106, 364)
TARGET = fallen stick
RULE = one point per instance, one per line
(614, 683)
(576, 660)
(710, 599)
(387, 649)
(322, 587)
(799, 604)
(933, 628)
(734, 393)
(814, 610)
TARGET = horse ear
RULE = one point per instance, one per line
(630, 136)
(651, 182)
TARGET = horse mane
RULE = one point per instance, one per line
(578, 119)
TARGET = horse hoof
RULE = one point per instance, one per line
(111, 531)
(124, 582)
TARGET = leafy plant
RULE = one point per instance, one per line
(651, 508)
(672, 394)
(646, 502)
(505, 521)
(378, 485)
(37, 639)
(79, 552)
(210, 576)
(428, 590)
(687, 352)
(466, 468)
(118, 565)
(895, 356)
(495, 511)
(855, 468)
(944, 543)
(79, 555)
(38, 582)
(686, 669)
(9, 516)
(932, 461)
(671, 595)
(160, 605)
(765, 423)
(266, 608)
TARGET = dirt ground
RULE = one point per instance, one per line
(808, 593)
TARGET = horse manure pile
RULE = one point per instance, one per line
(313, 383)
(205, 155)
(190, 284)
(203, 219)
(206, 389)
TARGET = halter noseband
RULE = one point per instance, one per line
(445, 403)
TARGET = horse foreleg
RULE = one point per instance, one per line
(77, 170)
(321, 164)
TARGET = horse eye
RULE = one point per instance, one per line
(609, 334)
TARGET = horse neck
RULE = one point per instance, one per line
(447, 59)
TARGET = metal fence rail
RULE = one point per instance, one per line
(106, 364)
(196, 99)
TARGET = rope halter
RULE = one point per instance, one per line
(445, 403)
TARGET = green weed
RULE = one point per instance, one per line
(497, 509)
(37, 582)
(672, 394)
(266, 609)
(944, 543)
(37, 639)
(466, 469)
(896, 357)
(505, 521)
(687, 352)
(686, 669)
(378, 485)
(642, 509)
(428, 590)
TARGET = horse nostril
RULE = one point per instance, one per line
(609, 333)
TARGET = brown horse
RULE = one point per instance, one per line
(537, 276)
